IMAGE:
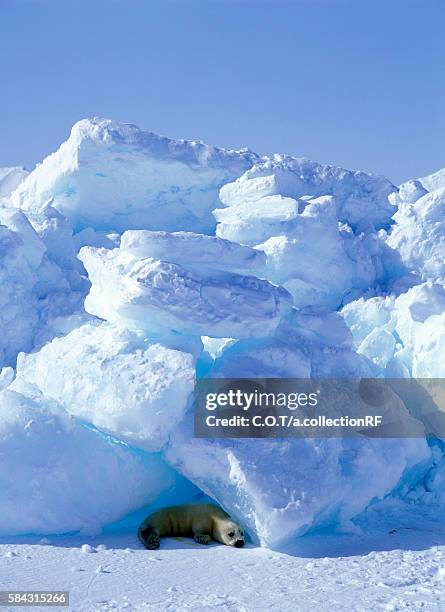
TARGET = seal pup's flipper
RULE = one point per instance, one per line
(149, 537)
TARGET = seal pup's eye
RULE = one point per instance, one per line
(231, 534)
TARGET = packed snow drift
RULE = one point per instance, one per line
(132, 264)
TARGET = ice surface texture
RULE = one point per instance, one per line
(159, 296)
(115, 380)
(32, 287)
(419, 234)
(403, 336)
(113, 176)
(361, 199)
(57, 475)
(283, 206)
(10, 179)
(131, 263)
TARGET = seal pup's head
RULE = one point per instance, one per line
(230, 533)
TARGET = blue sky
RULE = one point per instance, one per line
(356, 83)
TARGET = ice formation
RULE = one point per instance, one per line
(132, 263)
(10, 179)
(158, 296)
(361, 199)
(32, 286)
(58, 476)
(114, 176)
(115, 380)
(432, 181)
(402, 335)
(282, 488)
(419, 234)
(194, 251)
(283, 205)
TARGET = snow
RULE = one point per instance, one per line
(396, 570)
(131, 264)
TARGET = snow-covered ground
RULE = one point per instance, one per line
(404, 570)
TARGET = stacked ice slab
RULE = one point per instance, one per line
(404, 333)
(59, 476)
(134, 263)
(113, 176)
(285, 205)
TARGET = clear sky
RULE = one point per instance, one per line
(357, 83)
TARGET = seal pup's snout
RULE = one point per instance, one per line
(239, 543)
